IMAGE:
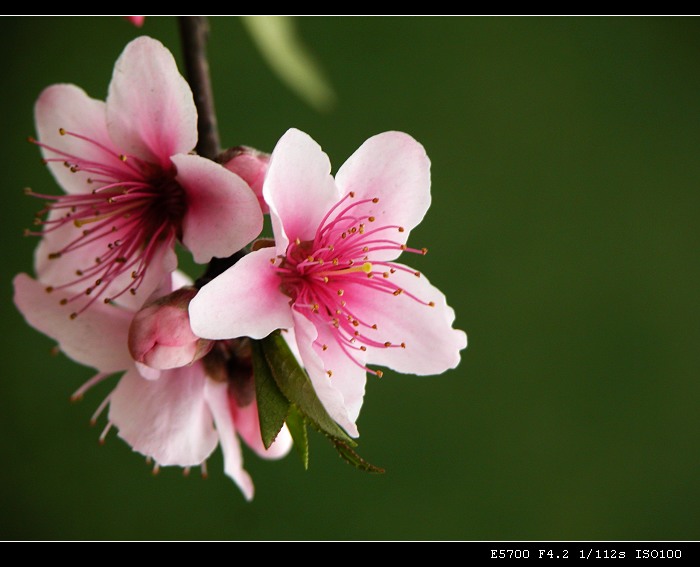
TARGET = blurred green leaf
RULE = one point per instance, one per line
(277, 39)
(294, 383)
(351, 457)
(273, 407)
(296, 423)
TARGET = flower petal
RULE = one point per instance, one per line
(247, 424)
(69, 108)
(243, 301)
(223, 213)
(96, 338)
(251, 166)
(218, 399)
(330, 393)
(167, 419)
(394, 168)
(432, 345)
(150, 110)
(298, 188)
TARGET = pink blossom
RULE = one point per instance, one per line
(179, 415)
(333, 277)
(132, 185)
(136, 20)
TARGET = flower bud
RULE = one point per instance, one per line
(251, 166)
(160, 335)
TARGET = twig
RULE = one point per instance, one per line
(194, 32)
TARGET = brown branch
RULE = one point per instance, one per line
(194, 32)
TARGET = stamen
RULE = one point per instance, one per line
(99, 410)
(105, 431)
(316, 274)
(80, 392)
(140, 202)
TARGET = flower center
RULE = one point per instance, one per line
(135, 208)
(327, 277)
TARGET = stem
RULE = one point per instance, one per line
(194, 32)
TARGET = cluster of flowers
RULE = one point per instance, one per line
(107, 289)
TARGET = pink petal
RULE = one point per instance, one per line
(96, 338)
(394, 168)
(298, 188)
(223, 213)
(243, 301)
(328, 392)
(150, 109)
(251, 166)
(217, 397)
(247, 424)
(167, 419)
(178, 279)
(70, 108)
(348, 377)
(432, 345)
(147, 372)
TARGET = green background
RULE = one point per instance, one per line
(564, 232)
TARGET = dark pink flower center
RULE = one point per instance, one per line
(323, 275)
(135, 208)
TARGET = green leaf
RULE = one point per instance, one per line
(297, 388)
(296, 423)
(273, 407)
(278, 41)
(351, 457)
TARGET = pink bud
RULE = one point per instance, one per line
(136, 20)
(251, 166)
(160, 335)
